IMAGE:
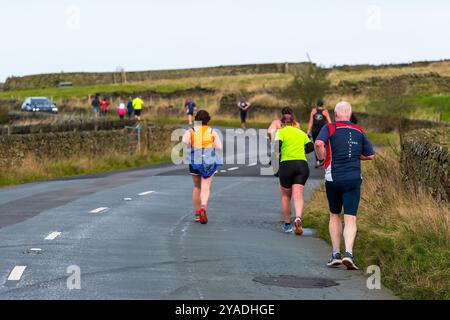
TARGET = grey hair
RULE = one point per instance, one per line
(343, 109)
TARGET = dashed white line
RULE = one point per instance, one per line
(233, 169)
(146, 193)
(16, 273)
(223, 171)
(98, 210)
(127, 199)
(252, 164)
(53, 235)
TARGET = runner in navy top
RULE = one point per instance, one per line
(346, 145)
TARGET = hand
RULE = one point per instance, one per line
(321, 163)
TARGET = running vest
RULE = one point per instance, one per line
(319, 120)
(203, 154)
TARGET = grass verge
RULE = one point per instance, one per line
(406, 235)
(34, 169)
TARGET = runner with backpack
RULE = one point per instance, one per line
(203, 142)
(319, 117)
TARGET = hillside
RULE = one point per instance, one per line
(425, 88)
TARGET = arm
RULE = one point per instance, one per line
(367, 158)
(272, 129)
(309, 147)
(217, 142)
(327, 115)
(320, 150)
(187, 137)
(368, 153)
(310, 122)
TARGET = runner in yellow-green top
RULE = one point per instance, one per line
(294, 144)
(137, 106)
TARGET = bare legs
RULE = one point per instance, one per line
(349, 233)
(190, 119)
(295, 194)
(205, 191)
(335, 227)
(286, 204)
(196, 192)
(201, 192)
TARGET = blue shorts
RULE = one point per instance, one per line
(345, 194)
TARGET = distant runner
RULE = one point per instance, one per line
(243, 106)
(137, 107)
(294, 144)
(204, 142)
(346, 145)
(96, 106)
(122, 109)
(104, 107)
(130, 108)
(189, 108)
(319, 117)
(276, 124)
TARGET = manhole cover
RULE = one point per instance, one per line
(295, 282)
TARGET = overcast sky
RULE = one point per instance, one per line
(100, 35)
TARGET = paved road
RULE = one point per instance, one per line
(149, 248)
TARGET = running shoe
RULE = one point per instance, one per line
(287, 228)
(348, 262)
(298, 227)
(203, 216)
(335, 261)
(197, 216)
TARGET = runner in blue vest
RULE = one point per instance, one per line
(189, 108)
(346, 145)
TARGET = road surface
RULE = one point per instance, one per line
(148, 247)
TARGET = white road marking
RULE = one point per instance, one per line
(53, 235)
(127, 199)
(252, 164)
(223, 171)
(36, 249)
(98, 210)
(16, 273)
(146, 193)
(233, 169)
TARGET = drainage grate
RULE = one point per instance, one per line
(295, 282)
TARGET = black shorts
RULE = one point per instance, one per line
(315, 133)
(293, 172)
(137, 112)
(243, 115)
(193, 172)
(345, 194)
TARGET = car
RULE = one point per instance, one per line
(39, 104)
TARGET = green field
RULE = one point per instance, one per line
(433, 107)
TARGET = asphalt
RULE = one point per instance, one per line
(149, 247)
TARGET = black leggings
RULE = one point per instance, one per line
(293, 172)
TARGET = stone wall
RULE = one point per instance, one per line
(15, 148)
(425, 161)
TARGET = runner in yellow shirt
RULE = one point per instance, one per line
(137, 106)
(294, 144)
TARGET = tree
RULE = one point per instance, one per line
(309, 85)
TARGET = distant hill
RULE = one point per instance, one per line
(40, 81)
